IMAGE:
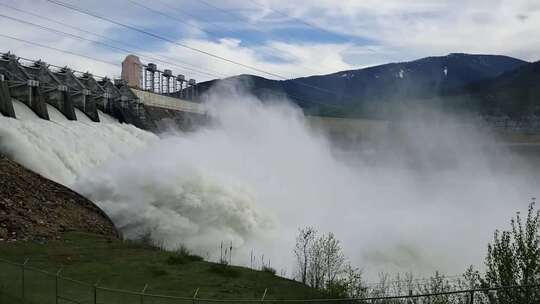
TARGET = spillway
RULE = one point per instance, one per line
(172, 201)
(61, 149)
(55, 115)
(23, 112)
(82, 117)
(106, 118)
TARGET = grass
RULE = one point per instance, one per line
(183, 256)
(225, 270)
(269, 269)
(130, 266)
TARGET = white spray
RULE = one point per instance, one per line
(258, 173)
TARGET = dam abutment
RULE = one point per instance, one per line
(6, 105)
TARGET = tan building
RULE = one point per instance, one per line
(131, 71)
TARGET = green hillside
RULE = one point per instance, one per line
(514, 93)
(130, 266)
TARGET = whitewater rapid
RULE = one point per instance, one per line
(62, 150)
(257, 174)
(123, 169)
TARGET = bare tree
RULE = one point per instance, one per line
(353, 282)
(321, 262)
(326, 262)
(315, 272)
(333, 258)
(304, 242)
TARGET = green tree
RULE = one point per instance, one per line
(514, 259)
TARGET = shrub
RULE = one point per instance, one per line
(183, 251)
(183, 256)
(336, 290)
(157, 271)
(225, 270)
(177, 260)
(514, 259)
(195, 258)
(269, 269)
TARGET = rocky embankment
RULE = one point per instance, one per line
(35, 208)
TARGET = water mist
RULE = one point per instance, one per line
(424, 198)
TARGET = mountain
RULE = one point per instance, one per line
(366, 91)
(515, 93)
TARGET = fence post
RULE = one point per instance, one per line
(472, 297)
(22, 280)
(142, 293)
(195, 295)
(264, 295)
(56, 287)
(95, 290)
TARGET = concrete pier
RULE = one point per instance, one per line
(6, 105)
(35, 99)
(80, 95)
(54, 91)
(23, 85)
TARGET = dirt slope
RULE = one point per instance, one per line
(35, 208)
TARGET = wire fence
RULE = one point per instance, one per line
(21, 283)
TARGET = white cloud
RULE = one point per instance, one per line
(300, 59)
(371, 32)
(430, 27)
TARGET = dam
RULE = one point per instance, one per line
(152, 107)
(144, 96)
(158, 101)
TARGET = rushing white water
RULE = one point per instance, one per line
(22, 111)
(55, 115)
(258, 174)
(61, 149)
(81, 117)
(106, 118)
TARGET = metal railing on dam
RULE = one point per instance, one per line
(172, 103)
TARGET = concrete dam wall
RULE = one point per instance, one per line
(36, 84)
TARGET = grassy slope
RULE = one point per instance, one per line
(129, 266)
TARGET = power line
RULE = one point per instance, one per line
(194, 70)
(169, 40)
(199, 27)
(97, 42)
(60, 50)
(221, 9)
(167, 15)
(93, 58)
(93, 41)
(160, 37)
(309, 24)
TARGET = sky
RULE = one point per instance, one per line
(271, 38)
